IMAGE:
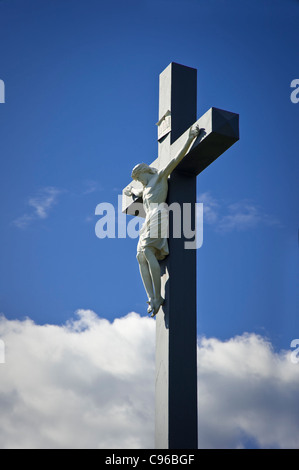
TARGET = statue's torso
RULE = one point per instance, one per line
(155, 192)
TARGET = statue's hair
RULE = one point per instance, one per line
(142, 167)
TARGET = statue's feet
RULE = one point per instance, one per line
(150, 307)
(156, 305)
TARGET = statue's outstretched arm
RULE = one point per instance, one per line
(193, 133)
(130, 191)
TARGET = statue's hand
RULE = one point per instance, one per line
(128, 191)
(195, 131)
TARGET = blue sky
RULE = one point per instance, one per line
(81, 103)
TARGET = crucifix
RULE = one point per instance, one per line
(186, 146)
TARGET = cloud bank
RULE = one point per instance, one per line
(90, 384)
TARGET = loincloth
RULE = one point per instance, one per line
(154, 233)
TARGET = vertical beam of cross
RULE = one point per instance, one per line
(176, 368)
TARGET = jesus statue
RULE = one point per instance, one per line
(153, 244)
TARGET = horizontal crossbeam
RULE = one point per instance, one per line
(221, 131)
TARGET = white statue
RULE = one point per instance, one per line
(151, 249)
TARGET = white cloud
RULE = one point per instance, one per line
(90, 384)
(90, 187)
(210, 207)
(242, 215)
(24, 220)
(44, 201)
(247, 391)
(40, 205)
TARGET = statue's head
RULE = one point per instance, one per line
(141, 170)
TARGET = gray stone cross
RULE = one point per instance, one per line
(176, 333)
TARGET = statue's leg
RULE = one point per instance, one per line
(145, 275)
(155, 272)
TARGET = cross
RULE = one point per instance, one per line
(176, 333)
